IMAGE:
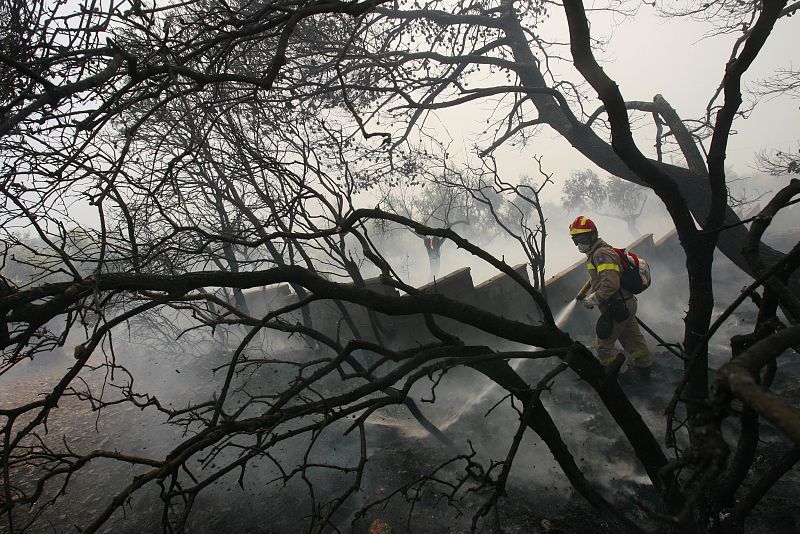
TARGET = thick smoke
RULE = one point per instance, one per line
(476, 415)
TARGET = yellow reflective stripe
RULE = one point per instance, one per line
(590, 266)
(607, 267)
(644, 353)
(575, 231)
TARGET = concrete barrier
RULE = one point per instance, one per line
(456, 285)
(503, 296)
(500, 295)
(262, 300)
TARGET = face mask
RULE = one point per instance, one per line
(584, 247)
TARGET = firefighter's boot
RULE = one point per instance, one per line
(643, 362)
(615, 366)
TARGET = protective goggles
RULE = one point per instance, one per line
(583, 239)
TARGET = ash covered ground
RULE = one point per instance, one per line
(474, 415)
(538, 499)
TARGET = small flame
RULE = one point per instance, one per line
(379, 526)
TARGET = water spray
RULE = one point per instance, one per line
(570, 307)
(565, 313)
(484, 393)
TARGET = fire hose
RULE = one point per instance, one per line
(661, 342)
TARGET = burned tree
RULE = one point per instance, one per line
(780, 161)
(612, 198)
(428, 193)
(166, 159)
(434, 205)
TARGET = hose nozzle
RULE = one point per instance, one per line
(584, 290)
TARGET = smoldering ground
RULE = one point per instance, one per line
(398, 449)
(477, 416)
(399, 454)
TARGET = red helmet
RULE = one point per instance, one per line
(581, 225)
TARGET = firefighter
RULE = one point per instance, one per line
(617, 305)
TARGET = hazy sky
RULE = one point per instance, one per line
(648, 55)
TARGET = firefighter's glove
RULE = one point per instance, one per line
(590, 301)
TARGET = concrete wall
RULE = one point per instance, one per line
(499, 295)
(265, 299)
(502, 296)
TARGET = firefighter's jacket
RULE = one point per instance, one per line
(605, 273)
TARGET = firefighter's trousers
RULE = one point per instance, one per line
(628, 334)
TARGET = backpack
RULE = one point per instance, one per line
(635, 272)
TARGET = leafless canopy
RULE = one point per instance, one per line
(161, 159)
